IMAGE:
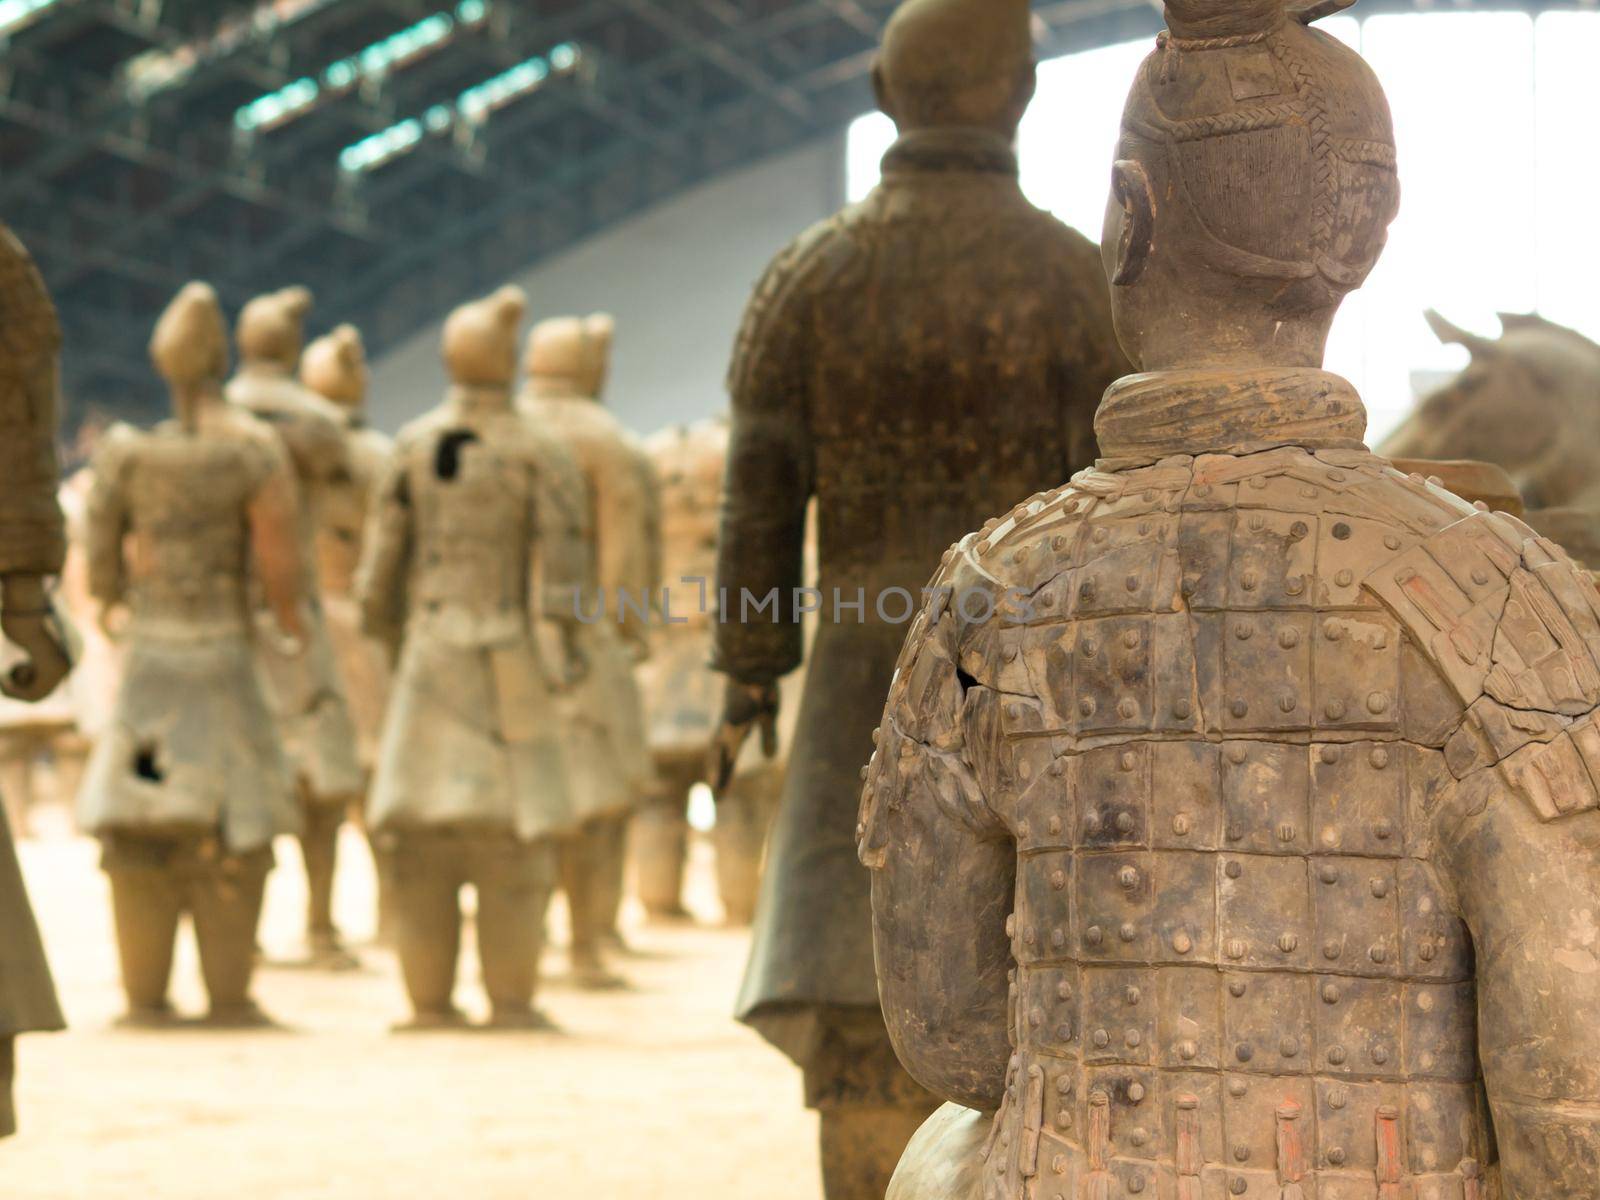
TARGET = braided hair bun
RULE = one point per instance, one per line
(1223, 18)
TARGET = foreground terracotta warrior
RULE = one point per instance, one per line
(32, 546)
(1530, 402)
(189, 784)
(608, 766)
(682, 694)
(919, 360)
(306, 692)
(470, 785)
(1236, 803)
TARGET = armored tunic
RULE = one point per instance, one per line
(1230, 816)
(457, 536)
(191, 746)
(918, 360)
(31, 542)
(608, 758)
(306, 692)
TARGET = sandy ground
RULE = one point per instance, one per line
(650, 1094)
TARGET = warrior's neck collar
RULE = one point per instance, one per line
(479, 398)
(1144, 418)
(556, 387)
(956, 149)
(265, 368)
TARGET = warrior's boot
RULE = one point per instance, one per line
(225, 906)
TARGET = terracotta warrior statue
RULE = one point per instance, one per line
(1237, 803)
(335, 368)
(189, 783)
(917, 361)
(470, 784)
(566, 364)
(682, 694)
(32, 545)
(306, 692)
(1530, 402)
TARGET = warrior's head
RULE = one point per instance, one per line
(190, 344)
(335, 366)
(956, 64)
(1254, 187)
(271, 328)
(571, 353)
(480, 339)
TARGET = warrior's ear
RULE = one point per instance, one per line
(1131, 187)
(1451, 334)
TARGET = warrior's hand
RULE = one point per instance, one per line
(29, 623)
(744, 707)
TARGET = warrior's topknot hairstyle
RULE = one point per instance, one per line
(190, 342)
(1277, 141)
(272, 327)
(335, 366)
(480, 339)
(955, 62)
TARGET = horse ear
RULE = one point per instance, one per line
(1452, 334)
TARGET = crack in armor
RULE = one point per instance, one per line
(1225, 750)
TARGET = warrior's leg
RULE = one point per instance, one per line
(383, 868)
(146, 902)
(70, 755)
(225, 906)
(8, 1073)
(744, 815)
(868, 1104)
(319, 845)
(613, 862)
(514, 880)
(579, 858)
(661, 841)
(427, 885)
(16, 781)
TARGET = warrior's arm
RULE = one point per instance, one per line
(1529, 889)
(275, 545)
(106, 525)
(943, 884)
(386, 556)
(32, 534)
(627, 522)
(559, 499)
(761, 548)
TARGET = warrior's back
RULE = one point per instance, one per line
(1231, 710)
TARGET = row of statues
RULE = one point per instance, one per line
(1228, 823)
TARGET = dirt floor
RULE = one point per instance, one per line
(650, 1094)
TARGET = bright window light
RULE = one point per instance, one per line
(1493, 115)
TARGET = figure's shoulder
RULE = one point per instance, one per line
(117, 446)
(813, 263)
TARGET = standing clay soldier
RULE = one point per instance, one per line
(32, 546)
(188, 785)
(921, 359)
(608, 762)
(1236, 803)
(470, 784)
(306, 692)
(335, 367)
(1529, 402)
(681, 694)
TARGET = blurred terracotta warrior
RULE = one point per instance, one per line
(470, 787)
(305, 690)
(189, 784)
(31, 549)
(919, 360)
(335, 367)
(682, 694)
(1233, 802)
(1529, 402)
(566, 363)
